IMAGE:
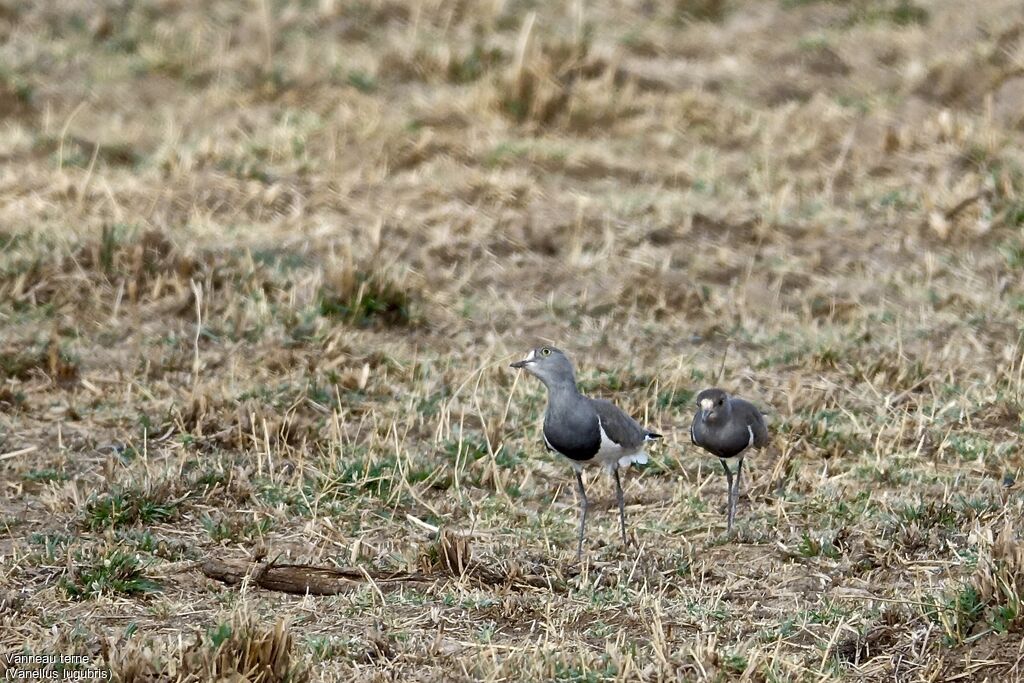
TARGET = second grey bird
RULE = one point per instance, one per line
(585, 430)
(726, 426)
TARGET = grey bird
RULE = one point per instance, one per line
(726, 426)
(585, 430)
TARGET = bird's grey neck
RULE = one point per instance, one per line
(562, 388)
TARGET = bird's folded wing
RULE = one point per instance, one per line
(620, 427)
(753, 418)
(760, 430)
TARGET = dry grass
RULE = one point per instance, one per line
(263, 265)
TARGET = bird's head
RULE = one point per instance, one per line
(713, 405)
(549, 365)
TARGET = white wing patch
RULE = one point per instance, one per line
(751, 442)
(635, 459)
(612, 455)
(606, 442)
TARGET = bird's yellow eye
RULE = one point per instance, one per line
(545, 351)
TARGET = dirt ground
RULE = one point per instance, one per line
(263, 266)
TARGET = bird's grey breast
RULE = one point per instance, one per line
(571, 427)
(725, 440)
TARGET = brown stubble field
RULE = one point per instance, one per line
(263, 266)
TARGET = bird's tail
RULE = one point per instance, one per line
(651, 436)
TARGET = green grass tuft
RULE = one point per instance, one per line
(115, 572)
(127, 506)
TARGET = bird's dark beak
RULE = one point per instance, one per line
(530, 359)
(704, 414)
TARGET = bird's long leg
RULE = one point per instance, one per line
(622, 505)
(736, 491)
(728, 479)
(583, 513)
(739, 478)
